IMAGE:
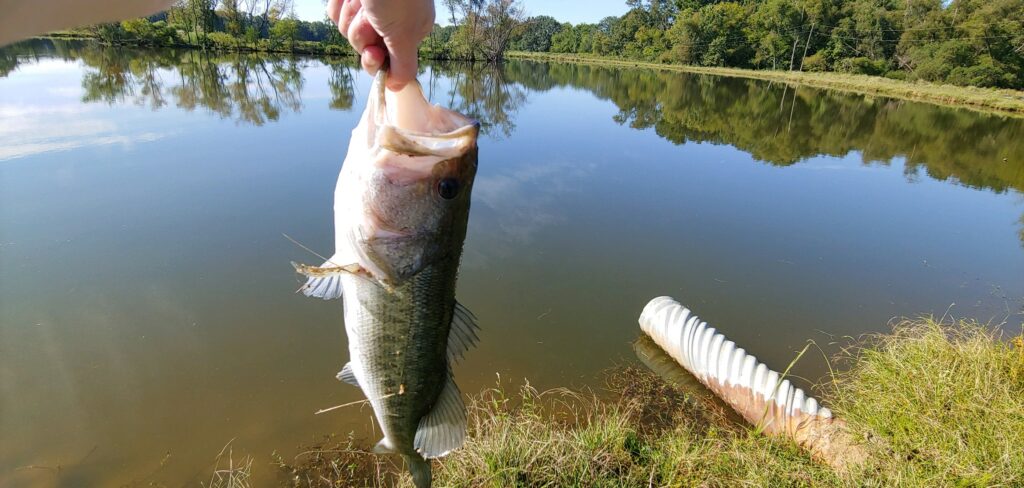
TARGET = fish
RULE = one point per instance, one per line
(401, 211)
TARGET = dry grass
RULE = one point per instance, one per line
(991, 100)
(335, 462)
(229, 472)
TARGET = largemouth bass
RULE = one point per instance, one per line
(401, 208)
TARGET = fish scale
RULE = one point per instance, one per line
(401, 208)
(387, 333)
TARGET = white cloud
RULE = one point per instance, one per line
(26, 130)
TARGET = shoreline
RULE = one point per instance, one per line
(909, 398)
(1000, 102)
(994, 101)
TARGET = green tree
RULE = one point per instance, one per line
(566, 40)
(536, 34)
(778, 27)
(714, 35)
(285, 31)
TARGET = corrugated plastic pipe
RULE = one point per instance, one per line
(760, 395)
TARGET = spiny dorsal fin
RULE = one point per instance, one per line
(443, 429)
(462, 335)
(347, 375)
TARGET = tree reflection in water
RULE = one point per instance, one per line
(341, 83)
(481, 91)
(247, 88)
(779, 124)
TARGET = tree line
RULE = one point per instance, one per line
(234, 25)
(479, 29)
(963, 42)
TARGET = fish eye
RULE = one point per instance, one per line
(448, 188)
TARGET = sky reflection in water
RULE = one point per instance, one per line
(148, 313)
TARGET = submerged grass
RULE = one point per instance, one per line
(935, 405)
(993, 100)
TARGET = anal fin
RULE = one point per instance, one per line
(347, 375)
(443, 429)
(384, 447)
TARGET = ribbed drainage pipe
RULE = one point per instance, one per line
(761, 396)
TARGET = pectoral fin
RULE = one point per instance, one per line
(325, 280)
(462, 334)
(444, 428)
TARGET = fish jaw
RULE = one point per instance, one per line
(391, 214)
(401, 211)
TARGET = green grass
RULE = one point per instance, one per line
(938, 406)
(1000, 101)
(933, 404)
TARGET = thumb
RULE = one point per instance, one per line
(403, 62)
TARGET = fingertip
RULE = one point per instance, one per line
(372, 59)
(334, 10)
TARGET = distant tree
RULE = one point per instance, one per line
(108, 32)
(193, 15)
(234, 18)
(566, 40)
(285, 30)
(486, 28)
(778, 27)
(714, 35)
(536, 34)
(502, 20)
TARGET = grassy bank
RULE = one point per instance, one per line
(1004, 102)
(215, 42)
(934, 405)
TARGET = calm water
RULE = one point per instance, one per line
(147, 313)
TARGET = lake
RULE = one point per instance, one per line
(148, 314)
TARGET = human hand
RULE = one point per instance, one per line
(25, 18)
(385, 29)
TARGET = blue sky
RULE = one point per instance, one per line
(574, 11)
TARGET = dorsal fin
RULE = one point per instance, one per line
(462, 335)
(443, 429)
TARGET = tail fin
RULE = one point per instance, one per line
(419, 468)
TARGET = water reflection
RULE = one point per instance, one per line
(243, 87)
(481, 91)
(341, 84)
(173, 326)
(782, 125)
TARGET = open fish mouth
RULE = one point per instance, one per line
(401, 213)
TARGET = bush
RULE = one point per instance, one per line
(815, 62)
(337, 50)
(862, 66)
(222, 39)
(897, 75)
(984, 74)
